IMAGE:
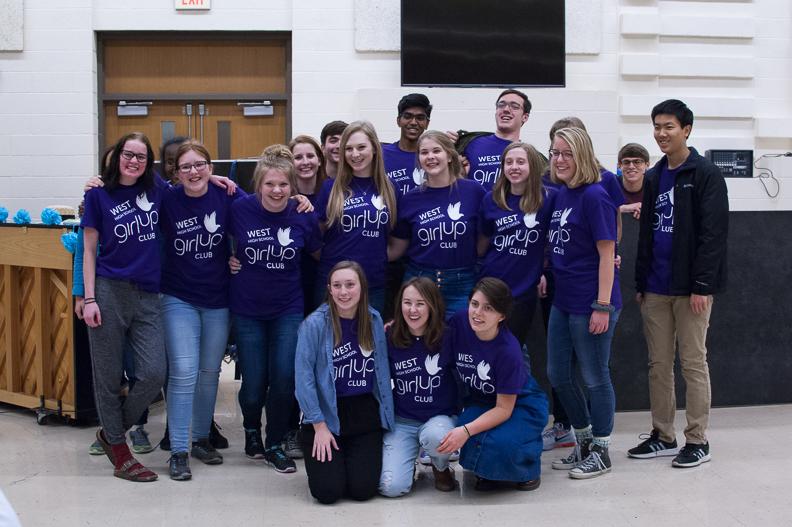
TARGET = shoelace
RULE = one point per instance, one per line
(592, 462)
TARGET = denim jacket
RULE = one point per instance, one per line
(313, 371)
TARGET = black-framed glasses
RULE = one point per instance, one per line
(567, 154)
(419, 117)
(128, 155)
(500, 105)
(632, 162)
(198, 166)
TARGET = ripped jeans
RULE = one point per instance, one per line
(400, 448)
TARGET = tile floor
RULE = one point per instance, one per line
(49, 478)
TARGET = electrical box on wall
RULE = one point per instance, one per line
(732, 163)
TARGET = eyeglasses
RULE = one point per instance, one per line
(198, 166)
(126, 154)
(632, 162)
(501, 105)
(560, 155)
(419, 117)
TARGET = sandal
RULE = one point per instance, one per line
(132, 470)
(108, 450)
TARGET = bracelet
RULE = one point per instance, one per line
(89, 298)
(603, 302)
(466, 430)
(596, 306)
(92, 301)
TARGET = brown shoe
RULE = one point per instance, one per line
(132, 470)
(531, 484)
(444, 480)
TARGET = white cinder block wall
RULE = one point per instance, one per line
(731, 61)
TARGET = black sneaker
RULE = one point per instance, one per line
(279, 460)
(179, 465)
(216, 438)
(291, 445)
(578, 454)
(204, 451)
(164, 443)
(254, 446)
(692, 455)
(653, 446)
(596, 464)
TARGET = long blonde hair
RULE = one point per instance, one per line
(586, 165)
(341, 187)
(365, 334)
(531, 199)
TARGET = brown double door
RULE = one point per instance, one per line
(196, 88)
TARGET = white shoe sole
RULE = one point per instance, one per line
(588, 475)
(691, 465)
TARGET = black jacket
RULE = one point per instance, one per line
(701, 226)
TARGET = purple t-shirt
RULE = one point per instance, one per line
(486, 367)
(516, 250)
(484, 155)
(581, 217)
(401, 168)
(195, 258)
(441, 224)
(659, 278)
(362, 233)
(423, 382)
(353, 369)
(270, 246)
(126, 219)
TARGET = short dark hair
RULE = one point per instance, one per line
(526, 102)
(676, 108)
(633, 150)
(177, 140)
(415, 100)
(498, 294)
(566, 122)
(332, 128)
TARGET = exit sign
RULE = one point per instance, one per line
(187, 5)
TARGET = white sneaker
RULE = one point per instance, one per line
(557, 436)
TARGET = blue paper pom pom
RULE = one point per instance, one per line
(69, 241)
(3, 214)
(51, 217)
(22, 217)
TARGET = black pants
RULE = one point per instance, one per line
(354, 471)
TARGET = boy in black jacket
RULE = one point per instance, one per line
(681, 263)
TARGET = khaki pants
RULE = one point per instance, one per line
(666, 321)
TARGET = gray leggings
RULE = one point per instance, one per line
(134, 315)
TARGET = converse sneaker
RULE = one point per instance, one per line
(558, 436)
(423, 458)
(179, 466)
(692, 455)
(291, 445)
(254, 446)
(204, 451)
(578, 454)
(653, 446)
(595, 464)
(140, 441)
(277, 458)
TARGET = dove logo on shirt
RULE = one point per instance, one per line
(664, 212)
(201, 244)
(446, 232)
(558, 234)
(143, 223)
(420, 384)
(480, 378)
(358, 215)
(518, 241)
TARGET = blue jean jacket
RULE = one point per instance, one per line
(313, 371)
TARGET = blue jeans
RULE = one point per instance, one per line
(454, 284)
(195, 340)
(266, 360)
(400, 448)
(569, 342)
